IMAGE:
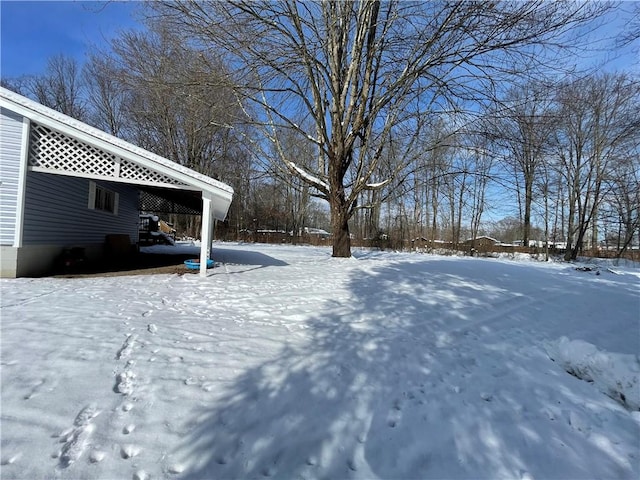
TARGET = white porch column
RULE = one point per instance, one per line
(22, 182)
(206, 234)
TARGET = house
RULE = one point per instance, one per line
(66, 184)
(316, 233)
(482, 242)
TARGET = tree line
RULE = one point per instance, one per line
(377, 119)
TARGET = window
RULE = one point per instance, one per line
(102, 199)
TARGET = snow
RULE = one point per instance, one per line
(309, 177)
(287, 363)
(617, 375)
(374, 186)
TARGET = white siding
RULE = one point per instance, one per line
(56, 212)
(10, 155)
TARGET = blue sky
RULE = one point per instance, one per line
(33, 32)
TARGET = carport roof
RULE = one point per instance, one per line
(62, 145)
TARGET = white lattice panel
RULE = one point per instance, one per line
(133, 171)
(51, 149)
(56, 151)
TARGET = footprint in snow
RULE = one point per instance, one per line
(127, 347)
(86, 415)
(76, 439)
(97, 456)
(124, 382)
(268, 472)
(195, 381)
(579, 423)
(486, 396)
(35, 390)
(11, 459)
(141, 475)
(129, 451)
(152, 328)
(128, 429)
(394, 414)
(175, 468)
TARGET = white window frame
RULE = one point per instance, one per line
(102, 199)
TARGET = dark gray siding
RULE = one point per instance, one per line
(56, 212)
(10, 149)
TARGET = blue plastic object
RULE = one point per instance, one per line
(195, 264)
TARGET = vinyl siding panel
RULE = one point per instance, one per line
(56, 212)
(10, 155)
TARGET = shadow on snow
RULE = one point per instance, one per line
(245, 257)
(416, 375)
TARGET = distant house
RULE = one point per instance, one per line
(420, 242)
(66, 184)
(316, 232)
(541, 244)
(423, 242)
(532, 243)
(482, 242)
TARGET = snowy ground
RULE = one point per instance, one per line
(287, 363)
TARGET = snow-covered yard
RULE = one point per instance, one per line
(287, 363)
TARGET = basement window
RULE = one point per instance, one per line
(102, 199)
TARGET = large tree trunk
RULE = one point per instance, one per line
(527, 213)
(340, 225)
(577, 247)
(339, 208)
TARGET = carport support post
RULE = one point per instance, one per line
(206, 234)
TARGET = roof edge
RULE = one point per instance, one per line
(27, 105)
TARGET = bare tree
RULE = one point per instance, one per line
(18, 84)
(483, 164)
(365, 71)
(179, 102)
(107, 97)
(454, 186)
(623, 201)
(61, 87)
(523, 127)
(631, 30)
(600, 118)
(297, 196)
(421, 183)
(437, 170)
